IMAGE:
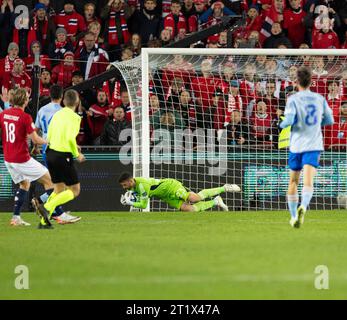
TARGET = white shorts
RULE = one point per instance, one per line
(28, 171)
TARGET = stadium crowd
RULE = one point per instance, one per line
(77, 40)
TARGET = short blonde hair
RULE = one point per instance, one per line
(20, 97)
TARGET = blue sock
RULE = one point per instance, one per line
(306, 196)
(293, 201)
(19, 199)
(58, 210)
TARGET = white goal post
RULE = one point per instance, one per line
(223, 85)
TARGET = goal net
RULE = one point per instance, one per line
(208, 117)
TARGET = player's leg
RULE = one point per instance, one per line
(293, 196)
(310, 162)
(59, 214)
(203, 205)
(19, 199)
(295, 165)
(181, 202)
(48, 185)
(60, 198)
(210, 193)
(307, 191)
(63, 172)
(200, 205)
(22, 174)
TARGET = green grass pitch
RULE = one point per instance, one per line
(243, 255)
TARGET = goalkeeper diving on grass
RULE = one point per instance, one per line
(173, 193)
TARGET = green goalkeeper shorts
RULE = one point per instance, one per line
(173, 193)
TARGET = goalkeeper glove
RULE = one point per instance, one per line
(125, 199)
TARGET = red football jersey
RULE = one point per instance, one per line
(261, 126)
(293, 22)
(322, 40)
(15, 126)
(204, 88)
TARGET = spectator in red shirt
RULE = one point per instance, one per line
(45, 83)
(335, 136)
(293, 18)
(261, 122)
(6, 64)
(177, 68)
(175, 21)
(204, 86)
(17, 78)
(116, 14)
(71, 21)
(98, 114)
(62, 73)
(333, 97)
(188, 10)
(247, 85)
(228, 73)
(319, 76)
(326, 38)
(35, 48)
(343, 85)
(254, 20)
(234, 102)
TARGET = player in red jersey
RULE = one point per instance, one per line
(16, 126)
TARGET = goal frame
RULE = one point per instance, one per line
(145, 156)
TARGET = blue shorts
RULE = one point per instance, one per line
(297, 160)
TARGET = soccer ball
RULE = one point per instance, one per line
(132, 195)
(342, 201)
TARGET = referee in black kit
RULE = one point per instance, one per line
(61, 152)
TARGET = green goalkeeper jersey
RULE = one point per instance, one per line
(167, 190)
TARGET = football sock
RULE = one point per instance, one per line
(204, 205)
(44, 198)
(306, 196)
(56, 200)
(209, 193)
(19, 199)
(293, 201)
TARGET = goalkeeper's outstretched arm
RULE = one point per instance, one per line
(142, 203)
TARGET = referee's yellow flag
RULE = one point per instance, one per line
(284, 137)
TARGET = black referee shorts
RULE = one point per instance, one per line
(61, 167)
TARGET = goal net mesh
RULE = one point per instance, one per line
(213, 119)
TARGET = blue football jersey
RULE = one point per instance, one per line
(310, 112)
(45, 116)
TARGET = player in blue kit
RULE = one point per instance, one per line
(42, 122)
(306, 112)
